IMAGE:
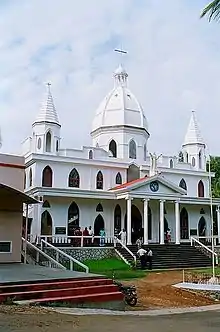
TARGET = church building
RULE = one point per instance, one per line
(116, 182)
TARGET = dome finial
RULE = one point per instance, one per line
(120, 73)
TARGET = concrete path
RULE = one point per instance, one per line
(202, 287)
(157, 312)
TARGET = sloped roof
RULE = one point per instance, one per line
(193, 134)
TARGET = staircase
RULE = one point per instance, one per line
(171, 256)
(80, 291)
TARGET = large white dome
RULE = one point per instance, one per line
(120, 106)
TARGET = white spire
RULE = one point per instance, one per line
(193, 134)
(48, 111)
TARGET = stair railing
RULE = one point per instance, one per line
(59, 253)
(49, 261)
(117, 241)
(197, 243)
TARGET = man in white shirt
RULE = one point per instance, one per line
(142, 255)
(149, 258)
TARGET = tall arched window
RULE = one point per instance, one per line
(90, 154)
(184, 224)
(99, 180)
(30, 178)
(46, 223)
(74, 179)
(187, 157)
(113, 148)
(99, 208)
(57, 145)
(117, 220)
(200, 189)
(48, 142)
(47, 177)
(118, 178)
(145, 151)
(200, 159)
(193, 162)
(132, 150)
(171, 163)
(182, 184)
(181, 159)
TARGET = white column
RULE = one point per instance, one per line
(177, 218)
(218, 222)
(128, 221)
(146, 221)
(162, 221)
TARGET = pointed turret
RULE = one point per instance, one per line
(193, 134)
(48, 111)
(193, 148)
(46, 127)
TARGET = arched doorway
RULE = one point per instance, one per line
(46, 223)
(98, 224)
(136, 224)
(184, 224)
(73, 218)
(117, 220)
(165, 228)
(202, 227)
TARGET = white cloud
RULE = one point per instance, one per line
(173, 65)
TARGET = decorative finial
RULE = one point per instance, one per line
(48, 86)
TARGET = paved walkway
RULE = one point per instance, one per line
(203, 287)
(157, 312)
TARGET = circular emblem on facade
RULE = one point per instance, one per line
(154, 186)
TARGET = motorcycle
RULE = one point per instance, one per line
(130, 293)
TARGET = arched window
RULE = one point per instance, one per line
(145, 151)
(182, 184)
(118, 178)
(200, 159)
(171, 163)
(74, 179)
(200, 189)
(57, 145)
(90, 154)
(202, 227)
(99, 208)
(39, 143)
(46, 204)
(193, 162)
(48, 142)
(73, 218)
(30, 178)
(113, 148)
(47, 177)
(187, 157)
(117, 220)
(181, 159)
(132, 150)
(99, 180)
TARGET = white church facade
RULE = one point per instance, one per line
(116, 183)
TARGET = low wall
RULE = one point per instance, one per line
(82, 254)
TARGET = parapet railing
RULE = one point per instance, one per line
(76, 241)
(210, 252)
(117, 241)
(39, 256)
(70, 262)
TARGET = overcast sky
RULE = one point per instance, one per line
(173, 64)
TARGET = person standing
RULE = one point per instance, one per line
(149, 258)
(90, 234)
(123, 236)
(102, 237)
(142, 255)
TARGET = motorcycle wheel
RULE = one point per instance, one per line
(131, 301)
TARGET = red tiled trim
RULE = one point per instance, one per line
(126, 184)
(12, 165)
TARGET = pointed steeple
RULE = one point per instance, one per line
(193, 134)
(48, 111)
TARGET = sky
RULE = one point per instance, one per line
(173, 62)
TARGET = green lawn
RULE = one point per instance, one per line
(207, 270)
(110, 266)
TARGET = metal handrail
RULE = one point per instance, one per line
(39, 251)
(72, 260)
(116, 240)
(205, 247)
